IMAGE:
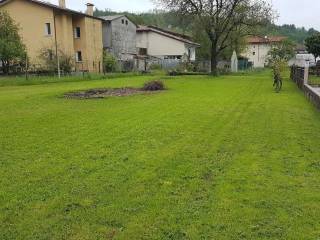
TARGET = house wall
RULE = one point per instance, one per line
(64, 31)
(161, 46)
(257, 53)
(122, 42)
(80, 44)
(32, 26)
(32, 18)
(142, 40)
(93, 50)
(107, 35)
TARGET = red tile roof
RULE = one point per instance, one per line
(56, 7)
(266, 39)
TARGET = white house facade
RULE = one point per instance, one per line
(258, 48)
(163, 44)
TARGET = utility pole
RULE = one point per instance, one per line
(26, 67)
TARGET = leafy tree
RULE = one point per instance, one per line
(283, 50)
(313, 45)
(221, 18)
(278, 57)
(12, 50)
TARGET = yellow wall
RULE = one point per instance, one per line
(94, 44)
(65, 33)
(80, 44)
(32, 19)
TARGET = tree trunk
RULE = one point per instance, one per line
(5, 66)
(214, 59)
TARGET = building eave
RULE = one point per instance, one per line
(55, 7)
(167, 34)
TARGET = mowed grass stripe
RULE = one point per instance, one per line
(211, 158)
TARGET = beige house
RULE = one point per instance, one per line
(58, 29)
(163, 44)
(258, 48)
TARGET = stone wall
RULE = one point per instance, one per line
(300, 76)
(297, 75)
(313, 95)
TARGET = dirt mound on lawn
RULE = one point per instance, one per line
(104, 92)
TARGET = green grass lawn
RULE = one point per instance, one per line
(37, 80)
(210, 158)
(314, 80)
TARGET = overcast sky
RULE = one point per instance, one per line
(299, 12)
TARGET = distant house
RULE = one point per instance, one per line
(163, 44)
(119, 36)
(258, 48)
(52, 28)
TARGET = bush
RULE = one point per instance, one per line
(156, 85)
(155, 66)
(49, 58)
(110, 63)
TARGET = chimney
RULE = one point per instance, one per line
(89, 9)
(62, 3)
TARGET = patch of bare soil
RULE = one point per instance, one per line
(105, 92)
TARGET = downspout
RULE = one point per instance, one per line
(56, 43)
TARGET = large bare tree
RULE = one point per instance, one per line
(222, 18)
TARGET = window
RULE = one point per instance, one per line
(79, 56)
(126, 22)
(143, 51)
(254, 53)
(122, 21)
(48, 29)
(77, 32)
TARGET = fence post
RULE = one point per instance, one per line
(306, 74)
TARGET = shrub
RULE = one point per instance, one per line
(173, 73)
(155, 66)
(110, 63)
(49, 58)
(156, 85)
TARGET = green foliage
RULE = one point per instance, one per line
(284, 50)
(209, 159)
(278, 58)
(110, 63)
(295, 34)
(155, 66)
(12, 50)
(49, 57)
(40, 80)
(313, 44)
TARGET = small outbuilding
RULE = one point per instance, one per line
(119, 36)
(164, 44)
